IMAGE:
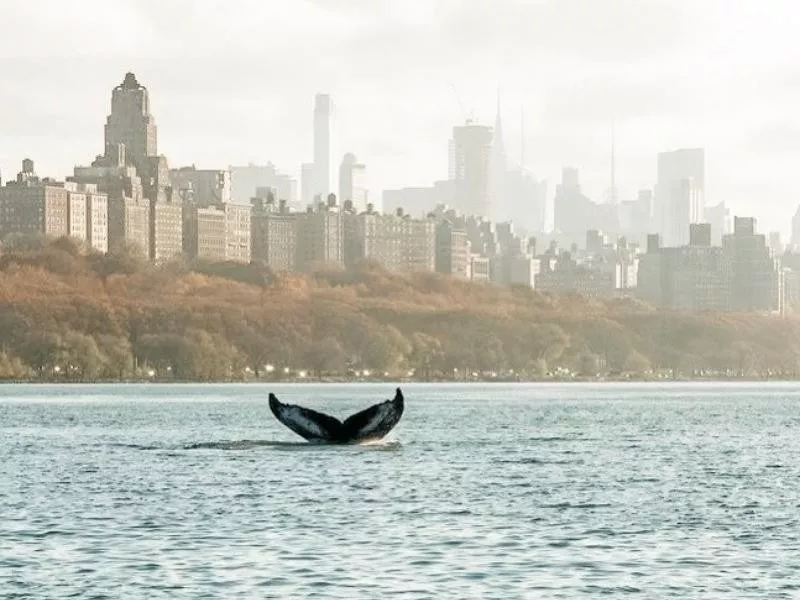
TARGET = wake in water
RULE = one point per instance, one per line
(253, 444)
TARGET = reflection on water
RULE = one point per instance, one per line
(250, 444)
(481, 492)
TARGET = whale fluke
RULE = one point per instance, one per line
(369, 424)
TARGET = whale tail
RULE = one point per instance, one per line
(370, 424)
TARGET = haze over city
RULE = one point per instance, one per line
(237, 86)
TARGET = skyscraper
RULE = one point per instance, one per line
(130, 123)
(469, 168)
(680, 194)
(352, 183)
(323, 107)
(141, 206)
(574, 212)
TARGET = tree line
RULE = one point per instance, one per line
(67, 313)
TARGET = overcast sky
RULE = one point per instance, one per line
(232, 82)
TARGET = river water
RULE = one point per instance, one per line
(482, 491)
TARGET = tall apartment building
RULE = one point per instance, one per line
(129, 225)
(141, 213)
(87, 214)
(453, 253)
(323, 116)
(217, 233)
(166, 230)
(77, 219)
(352, 183)
(756, 275)
(397, 242)
(568, 277)
(33, 206)
(741, 275)
(721, 221)
(130, 124)
(96, 217)
(274, 234)
(470, 150)
(680, 194)
(206, 234)
(237, 233)
(320, 236)
(307, 184)
(574, 213)
(128, 212)
(55, 209)
(515, 263)
(691, 277)
(565, 276)
(480, 268)
(208, 187)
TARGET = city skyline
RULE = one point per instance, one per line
(732, 95)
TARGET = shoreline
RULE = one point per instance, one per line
(390, 381)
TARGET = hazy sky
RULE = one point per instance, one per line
(233, 81)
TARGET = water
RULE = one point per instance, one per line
(507, 491)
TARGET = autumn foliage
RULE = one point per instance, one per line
(68, 314)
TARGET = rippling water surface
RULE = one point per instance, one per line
(483, 491)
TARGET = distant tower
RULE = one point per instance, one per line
(323, 108)
(796, 230)
(680, 194)
(470, 151)
(130, 123)
(352, 183)
(307, 184)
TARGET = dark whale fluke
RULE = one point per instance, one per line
(370, 424)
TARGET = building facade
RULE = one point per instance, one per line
(323, 115)
(274, 234)
(453, 251)
(207, 187)
(130, 123)
(399, 243)
(166, 231)
(353, 183)
(320, 236)
(680, 194)
(470, 151)
(217, 233)
(34, 210)
(96, 218)
(756, 275)
(125, 202)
